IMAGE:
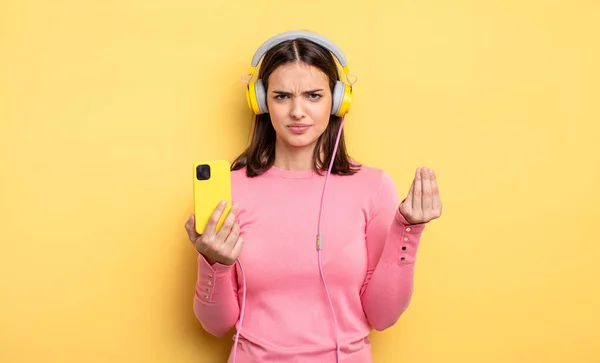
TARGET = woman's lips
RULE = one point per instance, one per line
(298, 128)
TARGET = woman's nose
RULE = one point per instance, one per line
(297, 110)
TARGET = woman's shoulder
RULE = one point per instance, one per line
(372, 174)
(239, 175)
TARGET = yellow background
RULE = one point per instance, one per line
(105, 105)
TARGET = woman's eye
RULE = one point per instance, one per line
(280, 97)
(314, 96)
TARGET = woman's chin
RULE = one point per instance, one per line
(300, 141)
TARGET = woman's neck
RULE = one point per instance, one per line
(291, 158)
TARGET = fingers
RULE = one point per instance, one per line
(233, 243)
(190, 227)
(427, 197)
(237, 248)
(232, 238)
(222, 246)
(211, 226)
(437, 203)
(423, 201)
(417, 191)
(228, 223)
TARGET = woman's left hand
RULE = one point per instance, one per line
(423, 202)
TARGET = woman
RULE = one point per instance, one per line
(290, 299)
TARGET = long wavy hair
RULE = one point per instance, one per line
(259, 156)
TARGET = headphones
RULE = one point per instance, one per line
(256, 93)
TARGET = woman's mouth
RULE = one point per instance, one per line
(298, 128)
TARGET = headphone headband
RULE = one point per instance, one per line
(294, 34)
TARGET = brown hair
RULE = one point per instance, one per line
(259, 156)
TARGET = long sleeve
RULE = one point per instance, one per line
(392, 249)
(215, 300)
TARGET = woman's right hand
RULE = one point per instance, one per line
(223, 246)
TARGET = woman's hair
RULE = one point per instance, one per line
(259, 156)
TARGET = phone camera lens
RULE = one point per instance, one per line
(203, 172)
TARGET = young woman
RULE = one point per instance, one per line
(317, 249)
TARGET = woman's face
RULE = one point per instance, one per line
(299, 102)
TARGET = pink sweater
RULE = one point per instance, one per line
(368, 256)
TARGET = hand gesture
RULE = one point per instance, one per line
(423, 201)
(223, 246)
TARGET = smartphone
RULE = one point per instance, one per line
(212, 184)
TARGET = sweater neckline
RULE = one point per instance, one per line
(291, 174)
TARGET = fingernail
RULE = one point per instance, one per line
(223, 203)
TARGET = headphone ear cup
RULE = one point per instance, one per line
(342, 98)
(338, 98)
(261, 96)
(256, 98)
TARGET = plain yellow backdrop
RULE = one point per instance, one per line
(105, 105)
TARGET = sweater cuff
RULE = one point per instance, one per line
(406, 246)
(210, 276)
(405, 250)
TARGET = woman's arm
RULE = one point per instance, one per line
(392, 245)
(216, 299)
